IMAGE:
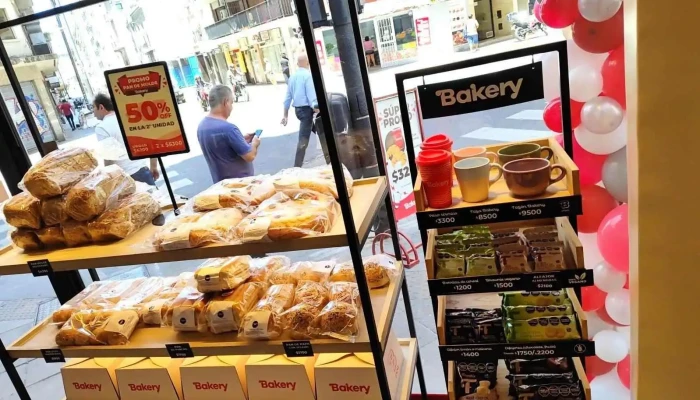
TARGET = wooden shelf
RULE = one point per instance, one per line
(151, 341)
(368, 195)
(409, 347)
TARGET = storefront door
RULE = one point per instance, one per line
(484, 15)
(386, 41)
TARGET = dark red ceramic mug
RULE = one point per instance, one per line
(530, 177)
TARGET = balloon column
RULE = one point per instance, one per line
(597, 85)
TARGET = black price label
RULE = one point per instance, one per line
(513, 282)
(179, 350)
(40, 267)
(576, 278)
(299, 348)
(53, 356)
(482, 352)
(470, 352)
(455, 285)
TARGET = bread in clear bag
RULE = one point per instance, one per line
(312, 293)
(338, 320)
(58, 171)
(225, 312)
(53, 211)
(299, 320)
(102, 327)
(51, 236)
(318, 179)
(76, 233)
(26, 239)
(263, 321)
(242, 193)
(125, 218)
(100, 190)
(187, 312)
(219, 274)
(272, 263)
(344, 292)
(23, 211)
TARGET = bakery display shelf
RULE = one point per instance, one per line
(502, 385)
(558, 348)
(151, 341)
(367, 197)
(562, 199)
(576, 275)
(409, 347)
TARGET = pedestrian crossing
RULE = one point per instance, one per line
(512, 134)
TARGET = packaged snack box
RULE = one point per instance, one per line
(275, 377)
(156, 378)
(93, 378)
(214, 378)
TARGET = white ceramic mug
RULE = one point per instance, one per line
(473, 176)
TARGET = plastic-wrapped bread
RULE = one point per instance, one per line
(154, 311)
(195, 230)
(219, 274)
(243, 193)
(82, 301)
(187, 313)
(344, 292)
(58, 171)
(319, 179)
(53, 211)
(125, 218)
(338, 320)
(299, 320)
(103, 327)
(378, 269)
(76, 233)
(289, 216)
(51, 236)
(23, 211)
(263, 321)
(226, 311)
(312, 293)
(272, 263)
(26, 239)
(175, 234)
(100, 190)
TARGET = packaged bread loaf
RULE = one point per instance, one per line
(377, 270)
(319, 179)
(219, 274)
(76, 233)
(53, 210)
(243, 193)
(51, 236)
(58, 171)
(195, 230)
(125, 218)
(187, 312)
(299, 320)
(289, 216)
(226, 311)
(104, 327)
(338, 320)
(344, 292)
(153, 311)
(26, 239)
(263, 321)
(23, 211)
(100, 190)
(312, 293)
(64, 313)
(272, 263)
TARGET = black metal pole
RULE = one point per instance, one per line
(94, 275)
(167, 184)
(16, 380)
(344, 199)
(66, 284)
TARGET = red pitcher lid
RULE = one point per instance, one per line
(439, 140)
(433, 157)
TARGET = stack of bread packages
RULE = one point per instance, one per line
(70, 201)
(292, 204)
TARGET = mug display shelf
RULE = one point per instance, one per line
(150, 341)
(562, 199)
(502, 385)
(575, 275)
(487, 351)
(367, 197)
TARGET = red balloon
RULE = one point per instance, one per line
(537, 11)
(552, 115)
(597, 203)
(603, 315)
(613, 72)
(559, 13)
(627, 282)
(597, 367)
(559, 139)
(613, 238)
(598, 37)
(623, 371)
(590, 165)
(592, 298)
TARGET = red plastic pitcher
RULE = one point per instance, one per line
(435, 168)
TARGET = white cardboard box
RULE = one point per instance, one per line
(214, 378)
(156, 378)
(93, 378)
(278, 377)
(352, 376)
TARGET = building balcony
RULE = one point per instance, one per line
(262, 13)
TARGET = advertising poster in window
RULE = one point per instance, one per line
(144, 102)
(394, 147)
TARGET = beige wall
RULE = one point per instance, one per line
(505, 6)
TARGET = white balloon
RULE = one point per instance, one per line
(595, 324)
(602, 115)
(550, 76)
(576, 57)
(591, 252)
(602, 144)
(598, 10)
(610, 346)
(609, 387)
(626, 331)
(608, 279)
(617, 304)
(585, 82)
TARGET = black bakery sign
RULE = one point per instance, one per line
(483, 92)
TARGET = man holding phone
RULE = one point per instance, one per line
(229, 154)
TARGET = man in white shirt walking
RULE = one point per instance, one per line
(111, 144)
(471, 33)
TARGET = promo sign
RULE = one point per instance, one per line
(144, 102)
(394, 146)
(483, 92)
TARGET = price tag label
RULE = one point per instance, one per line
(484, 215)
(469, 352)
(299, 348)
(179, 350)
(479, 352)
(501, 283)
(455, 285)
(53, 355)
(40, 267)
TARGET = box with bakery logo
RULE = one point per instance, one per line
(276, 377)
(156, 378)
(352, 376)
(93, 378)
(214, 378)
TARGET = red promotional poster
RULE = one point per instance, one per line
(145, 105)
(423, 31)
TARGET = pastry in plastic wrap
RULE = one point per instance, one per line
(263, 321)
(243, 193)
(53, 211)
(125, 218)
(175, 234)
(319, 179)
(110, 327)
(100, 190)
(260, 274)
(81, 300)
(299, 320)
(26, 239)
(377, 269)
(58, 171)
(76, 233)
(226, 311)
(51, 236)
(338, 320)
(312, 293)
(187, 312)
(23, 211)
(272, 263)
(343, 272)
(286, 275)
(344, 292)
(219, 274)
(289, 216)
(215, 227)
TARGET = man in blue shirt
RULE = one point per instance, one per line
(301, 93)
(229, 154)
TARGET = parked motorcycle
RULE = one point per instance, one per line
(524, 24)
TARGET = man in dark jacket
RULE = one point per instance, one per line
(285, 67)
